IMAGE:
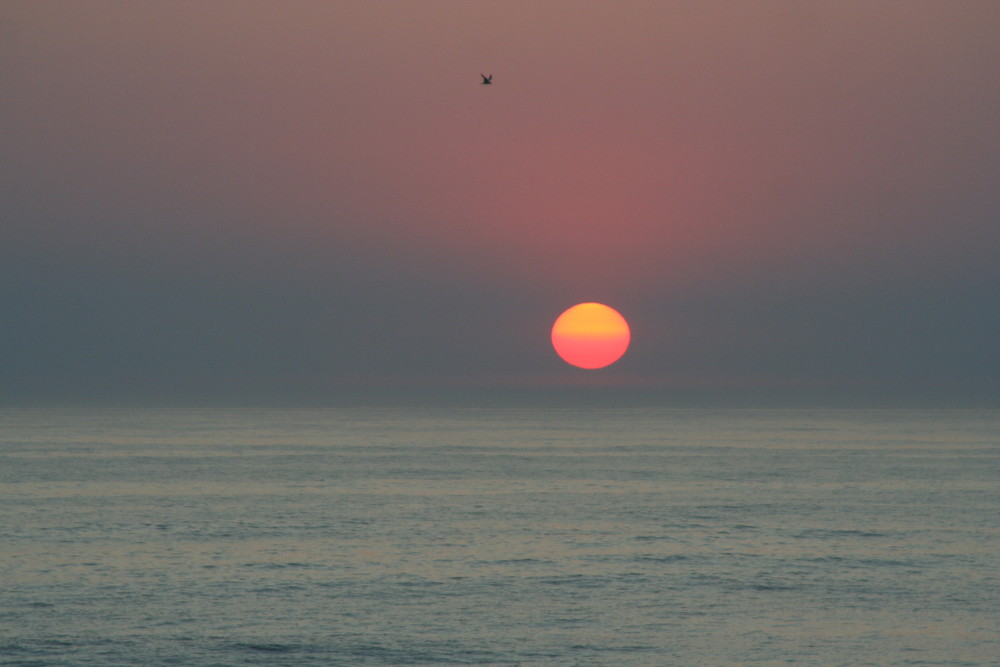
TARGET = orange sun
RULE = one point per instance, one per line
(591, 335)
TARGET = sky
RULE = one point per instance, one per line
(319, 202)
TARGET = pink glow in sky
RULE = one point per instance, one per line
(802, 190)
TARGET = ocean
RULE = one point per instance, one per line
(215, 537)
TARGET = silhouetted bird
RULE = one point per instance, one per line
(487, 80)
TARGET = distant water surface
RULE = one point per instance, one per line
(499, 537)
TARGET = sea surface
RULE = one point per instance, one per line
(499, 537)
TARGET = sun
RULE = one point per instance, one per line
(591, 335)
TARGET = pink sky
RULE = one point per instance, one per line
(670, 159)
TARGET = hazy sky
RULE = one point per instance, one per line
(305, 201)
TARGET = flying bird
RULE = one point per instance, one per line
(487, 80)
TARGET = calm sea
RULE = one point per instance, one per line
(499, 537)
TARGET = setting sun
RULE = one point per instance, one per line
(591, 335)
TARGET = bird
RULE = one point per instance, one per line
(487, 80)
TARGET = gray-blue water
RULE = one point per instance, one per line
(499, 536)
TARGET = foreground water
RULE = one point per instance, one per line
(515, 537)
